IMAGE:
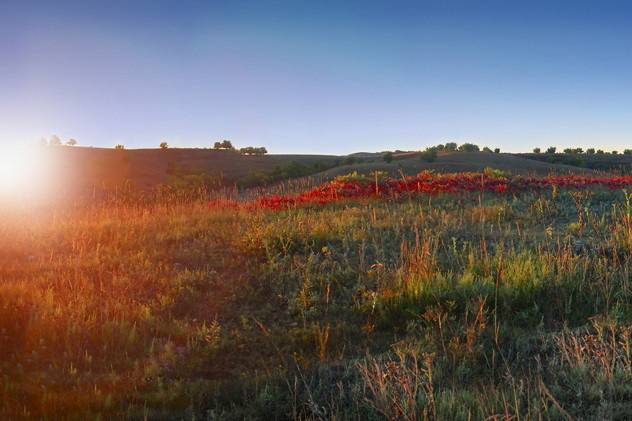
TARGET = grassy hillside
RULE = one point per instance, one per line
(599, 162)
(463, 306)
(81, 170)
(410, 164)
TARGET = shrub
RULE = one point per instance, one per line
(388, 157)
(536, 150)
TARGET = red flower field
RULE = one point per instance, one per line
(423, 183)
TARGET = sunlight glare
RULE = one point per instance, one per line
(21, 173)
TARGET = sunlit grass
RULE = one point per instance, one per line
(446, 307)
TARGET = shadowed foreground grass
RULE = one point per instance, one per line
(448, 307)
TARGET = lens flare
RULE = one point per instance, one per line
(22, 173)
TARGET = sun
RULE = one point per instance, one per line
(20, 172)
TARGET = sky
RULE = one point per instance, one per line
(317, 77)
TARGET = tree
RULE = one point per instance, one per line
(388, 157)
(627, 152)
(54, 140)
(486, 149)
(536, 150)
(497, 150)
(225, 145)
(164, 145)
(600, 152)
(119, 147)
(615, 152)
(568, 150)
(590, 151)
(450, 147)
(468, 147)
(252, 150)
(551, 149)
(578, 150)
(429, 155)
(71, 142)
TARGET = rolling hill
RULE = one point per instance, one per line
(83, 169)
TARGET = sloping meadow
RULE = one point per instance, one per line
(459, 305)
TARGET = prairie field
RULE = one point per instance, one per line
(451, 304)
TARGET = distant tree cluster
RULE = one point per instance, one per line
(56, 141)
(224, 145)
(580, 151)
(253, 150)
(227, 145)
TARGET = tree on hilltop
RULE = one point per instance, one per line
(253, 150)
(54, 140)
(469, 147)
(224, 145)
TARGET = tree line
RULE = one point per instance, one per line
(580, 151)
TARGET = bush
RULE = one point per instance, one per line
(388, 157)
(536, 150)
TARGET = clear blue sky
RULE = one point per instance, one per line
(317, 76)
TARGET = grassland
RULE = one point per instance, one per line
(79, 171)
(452, 306)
